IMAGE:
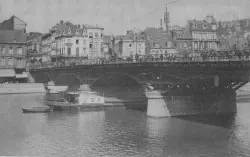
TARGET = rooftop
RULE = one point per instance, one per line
(12, 36)
(156, 36)
(93, 27)
(107, 38)
(195, 25)
(33, 35)
(8, 24)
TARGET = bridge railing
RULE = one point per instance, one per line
(140, 59)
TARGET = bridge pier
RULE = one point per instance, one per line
(206, 103)
(157, 106)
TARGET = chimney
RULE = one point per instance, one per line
(190, 26)
(129, 31)
(61, 22)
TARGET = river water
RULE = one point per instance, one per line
(119, 133)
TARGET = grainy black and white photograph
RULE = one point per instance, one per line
(131, 78)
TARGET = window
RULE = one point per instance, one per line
(96, 35)
(90, 45)
(169, 44)
(77, 32)
(130, 45)
(84, 32)
(185, 45)
(84, 42)
(90, 35)
(101, 34)
(77, 52)
(19, 50)
(19, 61)
(214, 27)
(157, 45)
(139, 45)
(84, 50)
(69, 51)
(215, 36)
(10, 50)
(2, 49)
(35, 46)
(2, 61)
(77, 41)
(96, 45)
(10, 61)
(204, 26)
(69, 31)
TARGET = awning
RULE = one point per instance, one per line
(23, 75)
(7, 73)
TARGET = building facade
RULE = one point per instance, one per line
(159, 42)
(12, 55)
(34, 43)
(13, 51)
(108, 46)
(131, 45)
(72, 41)
(69, 40)
(184, 41)
(46, 42)
(95, 35)
(204, 34)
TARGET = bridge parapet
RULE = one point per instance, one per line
(176, 61)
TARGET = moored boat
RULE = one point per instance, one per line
(41, 109)
(81, 100)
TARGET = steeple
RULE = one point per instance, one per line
(166, 18)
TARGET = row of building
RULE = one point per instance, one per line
(66, 39)
(70, 40)
(196, 36)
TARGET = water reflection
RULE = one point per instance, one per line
(226, 121)
(119, 132)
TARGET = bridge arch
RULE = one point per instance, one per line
(69, 79)
(116, 79)
(75, 80)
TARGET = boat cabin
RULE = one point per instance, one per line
(84, 97)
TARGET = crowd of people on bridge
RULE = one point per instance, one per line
(183, 57)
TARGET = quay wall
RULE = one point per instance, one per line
(22, 88)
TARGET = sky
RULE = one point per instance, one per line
(117, 16)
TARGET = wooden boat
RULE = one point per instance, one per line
(41, 109)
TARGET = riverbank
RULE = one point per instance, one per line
(22, 88)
